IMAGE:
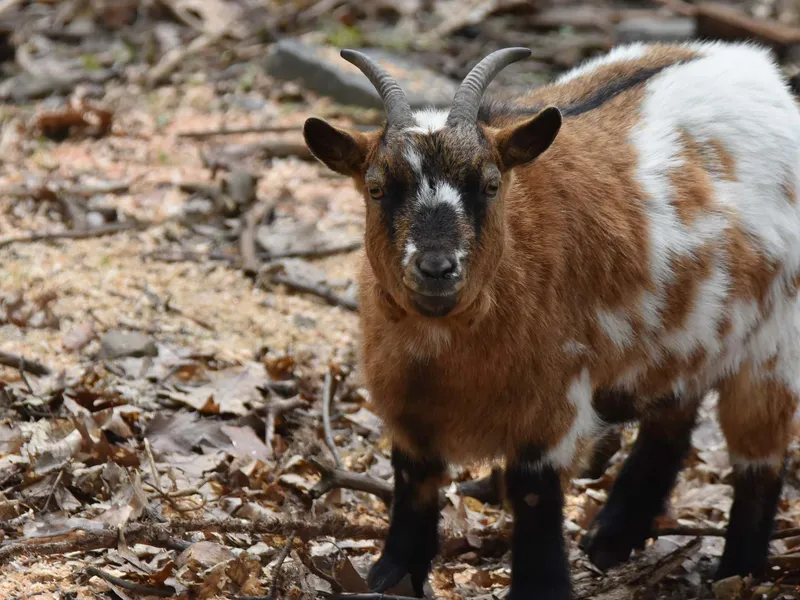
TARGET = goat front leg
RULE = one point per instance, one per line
(413, 539)
(539, 565)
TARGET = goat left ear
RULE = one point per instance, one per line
(520, 144)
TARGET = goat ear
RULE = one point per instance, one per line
(342, 151)
(523, 143)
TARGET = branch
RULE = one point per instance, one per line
(24, 364)
(327, 398)
(247, 241)
(320, 289)
(70, 234)
(163, 535)
(274, 409)
(276, 579)
(163, 591)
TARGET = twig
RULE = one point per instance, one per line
(207, 133)
(73, 212)
(49, 191)
(309, 564)
(24, 364)
(247, 241)
(73, 234)
(333, 478)
(163, 534)
(276, 579)
(162, 592)
(718, 532)
(55, 487)
(369, 596)
(485, 489)
(172, 59)
(321, 290)
(667, 565)
(274, 409)
(327, 398)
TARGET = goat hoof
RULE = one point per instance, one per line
(541, 592)
(389, 571)
(608, 546)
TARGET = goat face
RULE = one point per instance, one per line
(434, 187)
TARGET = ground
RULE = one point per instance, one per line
(178, 387)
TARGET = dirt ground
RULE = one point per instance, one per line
(190, 424)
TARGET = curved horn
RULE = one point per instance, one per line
(398, 111)
(468, 97)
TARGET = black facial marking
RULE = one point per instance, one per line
(539, 566)
(413, 539)
(756, 492)
(641, 489)
(491, 110)
(435, 227)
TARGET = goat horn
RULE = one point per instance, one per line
(398, 111)
(468, 97)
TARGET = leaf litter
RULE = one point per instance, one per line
(179, 388)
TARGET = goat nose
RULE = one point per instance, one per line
(436, 265)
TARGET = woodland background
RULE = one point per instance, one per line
(181, 414)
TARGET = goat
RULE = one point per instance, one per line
(611, 246)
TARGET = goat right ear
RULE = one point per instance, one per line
(342, 151)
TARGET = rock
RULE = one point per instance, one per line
(116, 344)
(655, 29)
(95, 219)
(322, 70)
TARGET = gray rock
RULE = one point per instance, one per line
(116, 344)
(655, 29)
(322, 70)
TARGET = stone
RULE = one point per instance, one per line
(321, 70)
(117, 344)
(655, 29)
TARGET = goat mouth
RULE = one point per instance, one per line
(434, 306)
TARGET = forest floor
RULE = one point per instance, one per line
(165, 433)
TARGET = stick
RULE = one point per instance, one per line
(24, 365)
(275, 408)
(309, 564)
(247, 241)
(207, 133)
(49, 191)
(163, 535)
(321, 290)
(162, 592)
(333, 478)
(69, 234)
(273, 589)
(327, 398)
(172, 59)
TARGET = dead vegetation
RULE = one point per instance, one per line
(181, 413)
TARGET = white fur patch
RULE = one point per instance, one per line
(586, 422)
(440, 193)
(409, 252)
(616, 326)
(732, 96)
(428, 120)
(414, 159)
(618, 54)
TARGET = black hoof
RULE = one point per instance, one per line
(608, 546)
(562, 591)
(389, 571)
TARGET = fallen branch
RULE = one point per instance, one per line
(319, 289)
(276, 579)
(274, 409)
(247, 241)
(162, 592)
(69, 234)
(333, 478)
(328, 390)
(163, 535)
(172, 59)
(207, 133)
(24, 364)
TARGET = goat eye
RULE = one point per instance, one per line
(491, 189)
(375, 192)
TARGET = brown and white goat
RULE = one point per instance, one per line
(611, 246)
